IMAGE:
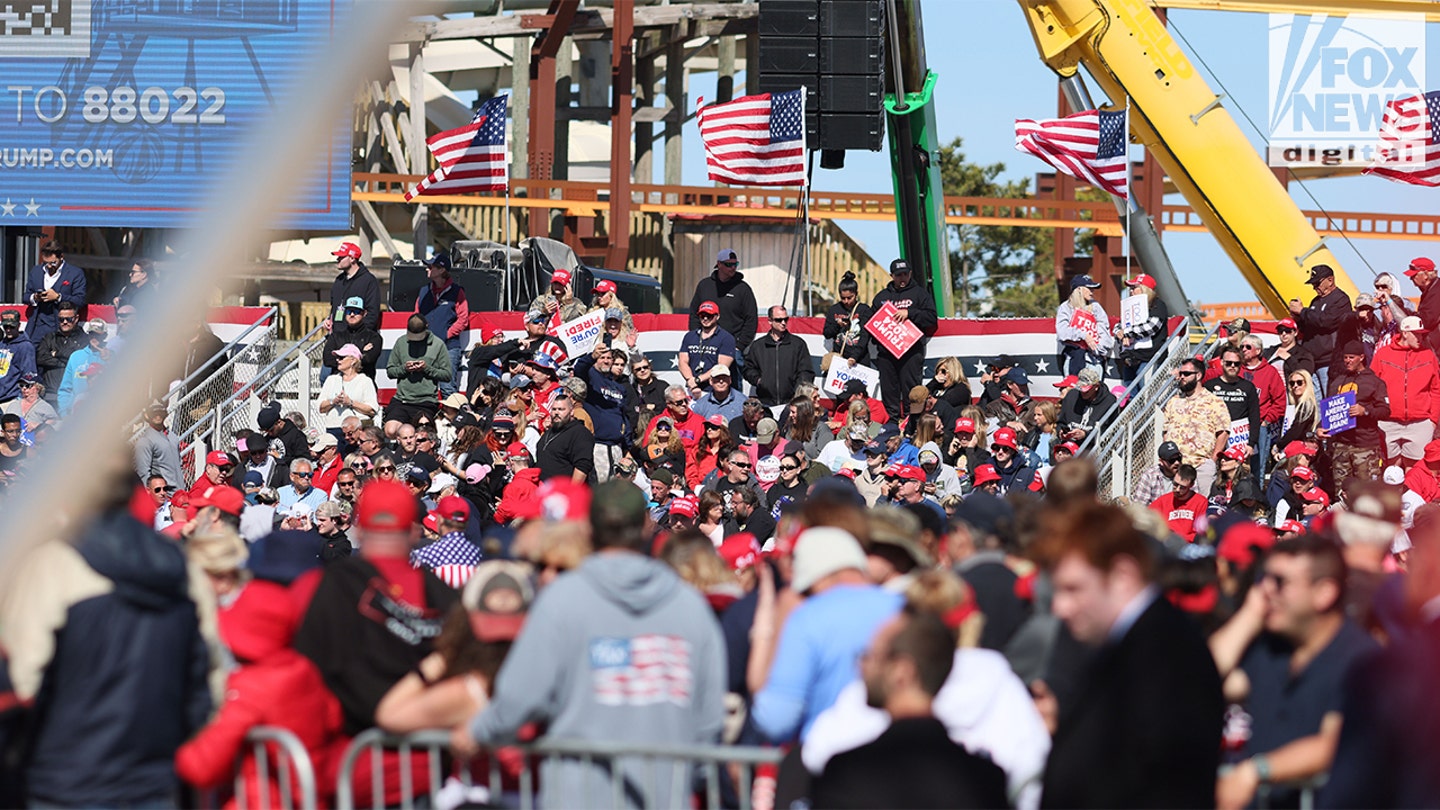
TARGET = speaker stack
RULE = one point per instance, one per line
(836, 50)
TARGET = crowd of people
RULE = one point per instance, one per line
(921, 598)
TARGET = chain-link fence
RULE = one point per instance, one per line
(1127, 444)
(236, 365)
(292, 379)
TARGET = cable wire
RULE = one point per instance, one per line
(1170, 23)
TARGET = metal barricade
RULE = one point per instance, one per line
(713, 763)
(1133, 428)
(292, 378)
(292, 762)
(190, 401)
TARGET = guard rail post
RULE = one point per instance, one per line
(291, 756)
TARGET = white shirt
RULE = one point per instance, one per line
(984, 707)
(360, 389)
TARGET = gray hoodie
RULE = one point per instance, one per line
(944, 477)
(620, 651)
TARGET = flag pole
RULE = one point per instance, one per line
(1129, 192)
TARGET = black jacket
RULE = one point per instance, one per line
(566, 449)
(53, 353)
(914, 764)
(1370, 392)
(851, 341)
(921, 308)
(125, 682)
(1322, 327)
(295, 443)
(365, 285)
(1144, 730)
(366, 339)
(1076, 412)
(482, 359)
(363, 641)
(1386, 755)
(739, 314)
(775, 369)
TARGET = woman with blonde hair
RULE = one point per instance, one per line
(216, 560)
(694, 558)
(1042, 418)
(857, 413)
(1082, 329)
(1302, 412)
(949, 383)
(1391, 306)
(969, 450)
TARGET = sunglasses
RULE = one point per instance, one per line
(303, 475)
(789, 467)
(385, 469)
(157, 489)
(69, 320)
(346, 483)
(642, 368)
(225, 469)
(1229, 362)
(674, 402)
(1187, 373)
(1285, 331)
(1382, 286)
(1297, 383)
(744, 465)
(779, 320)
(728, 264)
(423, 440)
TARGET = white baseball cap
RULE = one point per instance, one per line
(822, 551)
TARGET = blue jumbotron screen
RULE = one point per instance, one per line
(123, 112)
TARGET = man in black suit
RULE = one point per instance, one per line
(914, 763)
(1144, 728)
(1391, 733)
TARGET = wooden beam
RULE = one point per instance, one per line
(372, 219)
(622, 89)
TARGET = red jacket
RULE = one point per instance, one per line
(518, 495)
(1422, 482)
(1181, 516)
(325, 475)
(1412, 378)
(1272, 392)
(273, 686)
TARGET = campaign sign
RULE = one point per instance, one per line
(1134, 310)
(127, 114)
(1084, 322)
(1239, 433)
(581, 334)
(841, 372)
(896, 336)
(1335, 413)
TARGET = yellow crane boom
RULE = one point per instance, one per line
(1176, 115)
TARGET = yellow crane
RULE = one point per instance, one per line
(1176, 115)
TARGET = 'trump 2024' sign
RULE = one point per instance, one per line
(124, 113)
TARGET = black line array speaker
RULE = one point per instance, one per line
(836, 50)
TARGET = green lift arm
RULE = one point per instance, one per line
(914, 153)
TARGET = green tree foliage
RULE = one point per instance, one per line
(999, 271)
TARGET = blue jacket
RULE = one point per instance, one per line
(72, 385)
(604, 401)
(42, 319)
(111, 654)
(22, 362)
(442, 313)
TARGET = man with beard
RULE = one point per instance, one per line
(566, 449)
(1357, 452)
(54, 350)
(1197, 422)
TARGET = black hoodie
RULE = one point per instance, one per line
(739, 314)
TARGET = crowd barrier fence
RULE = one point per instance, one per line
(292, 761)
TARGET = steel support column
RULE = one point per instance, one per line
(542, 100)
(622, 76)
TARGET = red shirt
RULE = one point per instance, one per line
(1181, 516)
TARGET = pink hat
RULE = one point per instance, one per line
(348, 350)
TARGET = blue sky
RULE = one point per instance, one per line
(989, 75)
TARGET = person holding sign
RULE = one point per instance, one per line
(911, 303)
(1355, 452)
(1142, 329)
(1082, 328)
(704, 348)
(1241, 398)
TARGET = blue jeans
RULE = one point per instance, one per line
(448, 388)
(1322, 382)
(1262, 461)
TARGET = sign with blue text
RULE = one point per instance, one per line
(1335, 413)
(125, 113)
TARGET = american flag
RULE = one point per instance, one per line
(472, 158)
(756, 140)
(1090, 146)
(1410, 141)
(452, 558)
(641, 671)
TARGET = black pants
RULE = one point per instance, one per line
(898, 376)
